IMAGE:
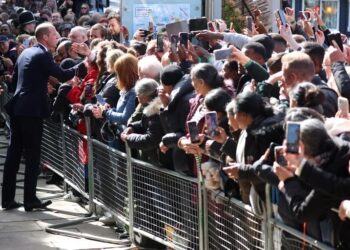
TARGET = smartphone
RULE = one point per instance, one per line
(293, 137)
(222, 54)
(26, 43)
(160, 42)
(145, 32)
(100, 100)
(197, 42)
(279, 158)
(343, 105)
(337, 38)
(174, 39)
(184, 37)
(211, 122)
(198, 24)
(193, 130)
(211, 27)
(282, 17)
(249, 23)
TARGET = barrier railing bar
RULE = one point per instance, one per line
(299, 235)
(130, 195)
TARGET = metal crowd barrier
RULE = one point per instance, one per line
(157, 203)
(232, 224)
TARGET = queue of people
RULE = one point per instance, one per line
(179, 107)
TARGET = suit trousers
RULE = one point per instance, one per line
(26, 135)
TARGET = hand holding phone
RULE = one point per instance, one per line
(184, 37)
(279, 158)
(211, 121)
(250, 23)
(293, 137)
(193, 130)
(282, 17)
(337, 38)
(160, 43)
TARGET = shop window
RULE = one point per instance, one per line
(328, 10)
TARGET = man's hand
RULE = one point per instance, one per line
(238, 56)
(344, 210)
(163, 148)
(283, 173)
(126, 132)
(209, 35)
(97, 112)
(221, 136)
(164, 97)
(232, 170)
(335, 54)
(81, 48)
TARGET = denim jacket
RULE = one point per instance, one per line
(124, 109)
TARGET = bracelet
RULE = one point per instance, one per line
(323, 27)
(293, 22)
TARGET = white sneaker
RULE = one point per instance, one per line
(107, 219)
(71, 197)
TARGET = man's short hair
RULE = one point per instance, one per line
(100, 27)
(43, 29)
(300, 64)
(114, 15)
(314, 50)
(258, 48)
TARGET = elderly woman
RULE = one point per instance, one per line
(146, 134)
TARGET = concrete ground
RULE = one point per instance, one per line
(26, 230)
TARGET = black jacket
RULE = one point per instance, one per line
(317, 205)
(148, 134)
(341, 78)
(261, 133)
(330, 105)
(173, 120)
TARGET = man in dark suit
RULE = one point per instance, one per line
(27, 109)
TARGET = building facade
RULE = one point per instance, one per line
(335, 13)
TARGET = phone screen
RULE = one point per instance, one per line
(193, 130)
(279, 158)
(293, 137)
(100, 100)
(211, 122)
(250, 23)
(343, 105)
(282, 17)
(174, 40)
(160, 43)
(198, 24)
(184, 38)
(222, 54)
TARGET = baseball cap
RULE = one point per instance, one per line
(3, 39)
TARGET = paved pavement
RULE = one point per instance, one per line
(26, 230)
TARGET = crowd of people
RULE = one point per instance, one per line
(148, 94)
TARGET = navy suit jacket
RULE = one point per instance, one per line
(32, 71)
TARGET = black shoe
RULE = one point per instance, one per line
(11, 205)
(37, 205)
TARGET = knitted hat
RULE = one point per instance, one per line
(171, 75)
